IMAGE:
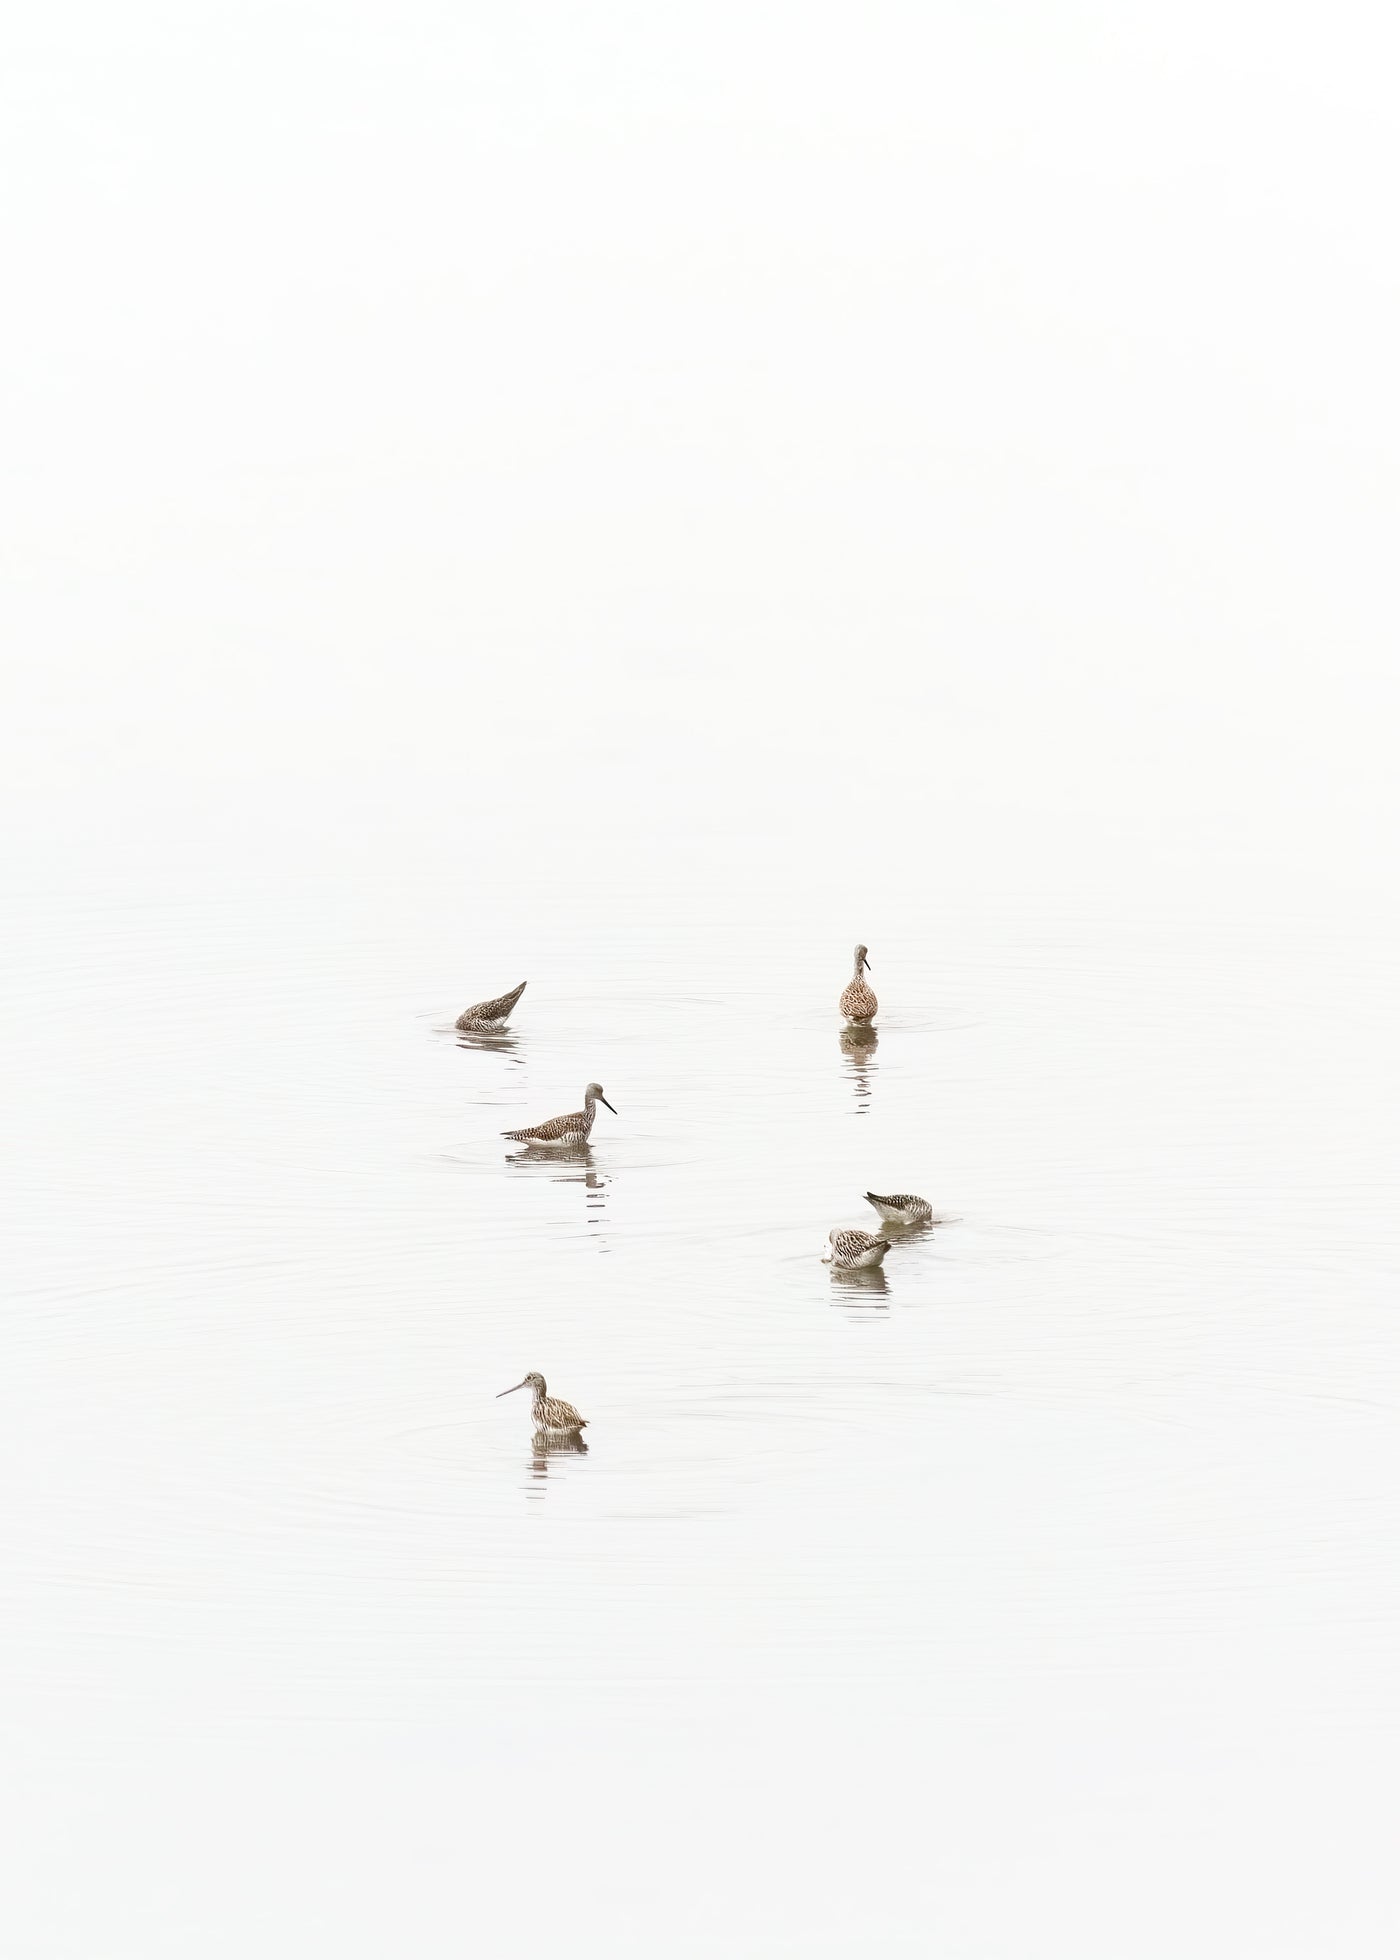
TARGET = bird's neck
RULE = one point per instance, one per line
(539, 1394)
(859, 967)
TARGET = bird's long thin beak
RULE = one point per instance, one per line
(868, 967)
(510, 1391)
(606, 1104)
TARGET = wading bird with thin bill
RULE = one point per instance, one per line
(574, 1128)
(553, 1417)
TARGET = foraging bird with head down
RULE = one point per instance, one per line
(490, 1016)
(854, 1251)
(858, 1002)
(901, 1208)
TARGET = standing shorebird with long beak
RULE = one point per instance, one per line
(858, 1002)
(575, 1128)
(853, 1251)
(554, 1417)
(490, 1016)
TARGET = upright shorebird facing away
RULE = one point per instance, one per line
(489, 1015)
(852, 1250)
(551, 1415)
(573, 1128)
(902, 1208)
(858, 1002)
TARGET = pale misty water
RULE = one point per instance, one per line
(638, 499)
(1046, 1579)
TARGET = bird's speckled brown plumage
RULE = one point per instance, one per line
(489, 1014)
(850, 1248)
(547, 1411)
(573, 1128)
(858, 1002)
(902, 1206)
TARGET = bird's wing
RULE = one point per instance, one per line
(559, 1126)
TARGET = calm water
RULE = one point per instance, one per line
(638, 499)
(1049, 1570)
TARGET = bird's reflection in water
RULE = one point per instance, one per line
(595, 1201)
(571, 1165)
(501, 1042)
(858, 1045)
(546, 1443)
(866, 1284)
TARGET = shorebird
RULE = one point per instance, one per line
(551, 1415)
(858, 1002)
(489, 1015)
(573, 1128)
(902, 1208)
(852, 1250)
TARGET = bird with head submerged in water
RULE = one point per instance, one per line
(490, 1016)
(901, 1208)
(551, 1415)
(852, 1251)
(858, 1002)
(574, 1128)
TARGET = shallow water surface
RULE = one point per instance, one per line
(921, 1604)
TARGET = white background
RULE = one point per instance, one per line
(1002, 396)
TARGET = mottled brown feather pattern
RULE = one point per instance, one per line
(903, 1205)
(488, 1012)
(858, 1002)
(558, 1129)
(852, 1248)
(576, 1127)
(550, 1413)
